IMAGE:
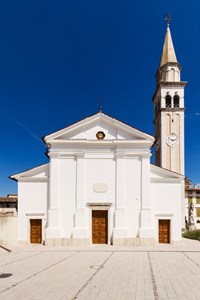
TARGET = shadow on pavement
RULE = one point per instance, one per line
(5, 275)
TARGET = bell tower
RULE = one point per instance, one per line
(169, 110)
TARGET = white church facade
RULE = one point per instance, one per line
(99, 186)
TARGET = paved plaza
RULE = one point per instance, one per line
(101, 272)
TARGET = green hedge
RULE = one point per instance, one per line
(194, 234)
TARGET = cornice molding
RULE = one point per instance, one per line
(33, 179)
(145, 155)
(101, 143)
(59, 155)
(35, 214)
(177, 109)
(165, 180)
(79, 155)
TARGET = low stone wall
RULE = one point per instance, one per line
(8, 229)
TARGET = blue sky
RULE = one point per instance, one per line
(58, 57)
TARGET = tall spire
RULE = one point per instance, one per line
(169, 110)
(168, 54)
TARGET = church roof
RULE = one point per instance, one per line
(162, 173)
(38, 173)
(168, 54)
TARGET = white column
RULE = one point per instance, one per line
(53, 229)
(120, 174)
(80, 180)
(146, 229)
(145, 181)
(120, 231)
(80, 230)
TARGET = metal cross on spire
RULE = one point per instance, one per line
(168, 20)
(100, 104)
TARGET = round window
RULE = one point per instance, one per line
(100, 135)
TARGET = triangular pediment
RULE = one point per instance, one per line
(87, 129)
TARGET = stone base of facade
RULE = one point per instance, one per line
(134, 242)
(115, 242)
(23, 242)
(66, 242)
(177, 243)
(86, 242)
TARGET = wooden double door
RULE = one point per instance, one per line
(164, 231)
(99, 226)
(36, 231)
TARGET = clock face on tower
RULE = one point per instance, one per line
(172, 140)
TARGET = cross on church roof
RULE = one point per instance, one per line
(100, 104)
(168, 20)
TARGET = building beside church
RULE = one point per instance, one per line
(99, 185)
(8, 219)
(192, 197)
(8, 205)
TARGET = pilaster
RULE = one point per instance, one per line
(80, 230)
(80, 180)
(146, 229)
(53, 230)
(120, 231)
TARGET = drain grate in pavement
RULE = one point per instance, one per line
(99, 267)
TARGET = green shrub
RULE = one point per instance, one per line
(194, 234)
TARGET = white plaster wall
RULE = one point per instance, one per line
(8, 229)
(166, 204)
(97, 171)
(67, 195)
(100, 170)
(132, 191)
(32, 201)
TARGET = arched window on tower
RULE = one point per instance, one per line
(176, 101)
(168, 101)
(172, 74)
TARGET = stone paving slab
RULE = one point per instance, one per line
(101, 272)
(8, 258)
(32, 266)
